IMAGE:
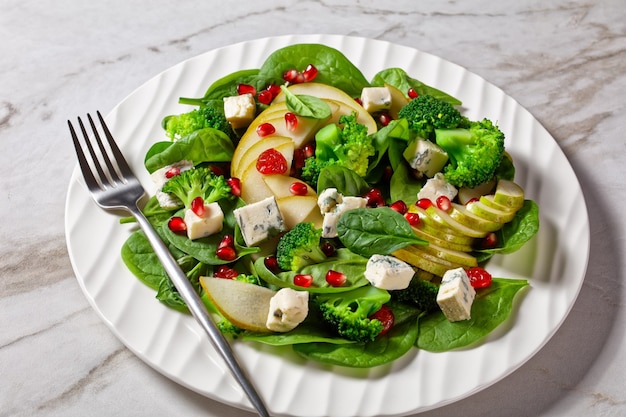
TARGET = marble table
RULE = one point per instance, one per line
(565, 61)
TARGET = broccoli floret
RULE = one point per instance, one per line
(250, 279)
(184, 124)
(198, 182)
(300, 247)
(427, 113)
(312, 168)
(421, 293)
(475, 152)
(227, 328)
(348, 312)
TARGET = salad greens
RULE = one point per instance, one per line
(379, 228)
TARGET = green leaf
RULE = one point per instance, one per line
(375, 231)
(398, 78)
(306, 106)
(404, 186)
(518, 231)
(491, 307)
(345, 180)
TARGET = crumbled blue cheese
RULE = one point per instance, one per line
(239, 110)
(260, 221)
(168, 201)
(328, 200)
(426, 157)
(331, 217)
(388, 273)
(456, 295)
(375, 99)
(435, 187)
(212, 222)
(288, 308)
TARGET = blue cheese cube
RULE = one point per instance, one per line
(375, 99)
(426, 157)
(328, 200)
(436, 187)
(329, 224)
(288, 308)
(388, 273)
(259, 221)
(239, 110)
(210, 223)
(159, 178)
(456, 295)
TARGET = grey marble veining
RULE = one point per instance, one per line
(563, 60)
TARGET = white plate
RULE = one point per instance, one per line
(554, 262)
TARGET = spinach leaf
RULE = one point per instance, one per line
(204, 145)
(380, 230)
(334, 68)
(518, 231)
(398, 78)
(140, 259)
(396, 130)
(491, 307)
(306, 106)
(345, 180)
(404, 186)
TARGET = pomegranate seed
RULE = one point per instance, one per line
(471, 200)
(273, 89)
(298, 159)
(309, 73)
(226, 272)
(216, 169)
(265, 97)
(271, 162)
(328, 249)
(271, 263)
(265, 129)
(412, 93)
(335, 278)
(298, 188)
(309, 150)
(384, 119)
(358, 100)
(387, 173)
(413, 219)
(375, 198)
(291, 121)
(177, 224)
(424, 203)
(172, 172)
(291, 76)
(399, 206)
(444, 203)
(197, 206)
(228, 241)
(303, 280)
(235, 186)
(490, 241)
(246, 89)
(479, 278)
(386, 317)
(226, 253)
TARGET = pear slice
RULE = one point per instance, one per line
(298, 209)
(480, 209)
(488, 200)
(398, 100)
(253, 188)
(244, 305)
(456, 257)
(417, 259)
(252, 154)
(444, 219)
(281, 185)
(442, 240)
(509, 194)
(460, 213)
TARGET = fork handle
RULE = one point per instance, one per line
(198, 309)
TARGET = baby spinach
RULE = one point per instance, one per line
(306, 106)
(398, 78)
(490, 308)
(404, 186)
(518, 231)
(375, 231)
(345, 180)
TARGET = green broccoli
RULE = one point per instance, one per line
(427, 113)
(198, 182)
(312, 168)
(250, 279)
(211, 115)
(348, 312)
(227, 328)
(475, 152)
(421, 293)
(300, 247)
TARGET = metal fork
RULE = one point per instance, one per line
(114, 186)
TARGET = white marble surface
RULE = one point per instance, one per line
(563, 60)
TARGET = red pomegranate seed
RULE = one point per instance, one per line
(413, 219)
(412, 93)
(424, 203)
(309, 150)
(235, 186)
(228, 241)
(265, 129)
(335, 278)
(271, 162)
(265, 97)
(471, 200)
(291, 121)
(490, 241)
(273, 89)
(217, 169)
(226, 253)
(388, 173)
(479, 278)
(177, 224)
(246, 89)
(358, 100)
(271, 263)
(298, 159)
(197, 206)
(375, 198)
(172, 172)
(386, 317)
(444, 203)
(384, 119)
(309, 73)
(399, 206)
(303, 280)
(328, 249)
(226, 272)
(298, 188)
(291, 76)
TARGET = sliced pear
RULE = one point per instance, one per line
(253, 187)
(298, 209)
(488, 200)
(244, 305)
(419, 261)
(460, 213)
(450, 255)
(442, 240)
(281, 185)
(398, 100)
(252, 154)
(444, 218)
(480, 209)
(467, 194)
(509, 194)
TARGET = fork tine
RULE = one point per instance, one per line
(94, 158)
(105, 155)
(82, 161)
(117, 154)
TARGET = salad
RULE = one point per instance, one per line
(350, 219)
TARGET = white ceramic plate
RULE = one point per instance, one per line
(554, 262)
